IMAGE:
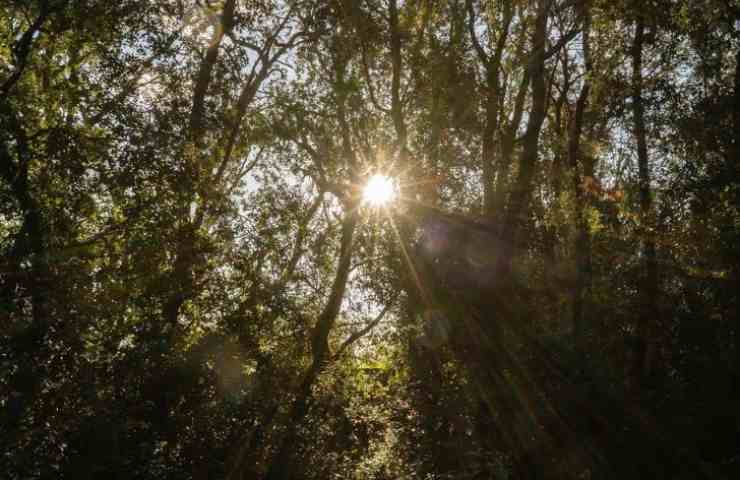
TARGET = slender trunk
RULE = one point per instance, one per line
(182, 277)
(584, 268)
(558, 161)
(281, 464)
(583, 239)
(196, 123)
(649, 285)
(491, 169)
(181, 280)
(508, 137)
(489, 147)
(557, 227)
(522, 189)
(432, 189)
(399, 122)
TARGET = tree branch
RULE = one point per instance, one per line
(195, 125)
(300, 239)
(361, 333)
(368, 80)
(473, 36)
(23, 47)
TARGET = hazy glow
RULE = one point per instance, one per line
(379, 191)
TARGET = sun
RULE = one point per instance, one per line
(379, 191)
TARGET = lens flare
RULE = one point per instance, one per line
(379, 191)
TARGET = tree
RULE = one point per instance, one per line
(195, 284)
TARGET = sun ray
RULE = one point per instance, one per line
(422, 291)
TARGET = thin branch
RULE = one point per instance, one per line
(501, 43)
(245, 169)
(300, 239)
(361, 333)
(519, 105)
(250, 88)
(368, 81)
(133, 83)
(563, 40)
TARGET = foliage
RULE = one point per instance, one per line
(191, 285)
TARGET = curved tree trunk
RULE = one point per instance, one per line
(280, 466)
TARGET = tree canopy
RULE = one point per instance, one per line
(369, 239)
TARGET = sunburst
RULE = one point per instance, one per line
(379, 191)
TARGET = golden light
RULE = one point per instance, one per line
(379, 191)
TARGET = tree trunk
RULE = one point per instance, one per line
(489, 133)
(522, 189)
(508, 136)
(645, 347)
(196, 122)
(437, 120)
(583, 239)
(30, 245)
(492, 65)
(186, 256)
(281, 464)
(399, 122)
